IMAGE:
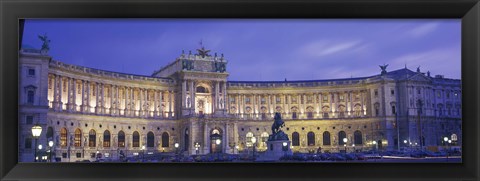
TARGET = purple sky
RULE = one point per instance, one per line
(257, 49)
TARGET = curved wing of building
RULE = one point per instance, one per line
(88, 112)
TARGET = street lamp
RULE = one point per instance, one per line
(375, 143)
(217, 141)
(448, 152)
(50, 144)
(36, 131)
(197, 145)
(143, 153)
(176, 149)
(285, 148)
(254, 140)
(345, 144)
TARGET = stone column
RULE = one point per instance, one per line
(362, 102)
(225, 96)
(320, 104)
(147, 100)
(226, 140)
(206, 134)
(69, 93)
(235, 136)
(155, 103)
(274, 104)
(88, 97)
(315, 104)
(289, 104)
(125, 100)
(217, 95)
(170, 102)
(97, 98)
(238, 103)
(112, 101)
(140, 102)
(55, 93)
(132, 102)
(330, 97)
(160, 94)
(352, 104)
(60, 92)
(74, 96)
(192, 97)
(269, 106)
(184, 94)
(102, 99)
(83, 107)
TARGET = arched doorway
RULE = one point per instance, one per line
(216, 141)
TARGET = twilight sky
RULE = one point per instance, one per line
(257, 49)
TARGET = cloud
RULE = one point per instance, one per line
(423, 29)
(445, 61)
(324, 48)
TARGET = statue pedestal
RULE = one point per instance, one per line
(275, 150)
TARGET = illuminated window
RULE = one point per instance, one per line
(63, 137)
(136, 139)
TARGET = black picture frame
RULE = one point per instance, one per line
(12, 11)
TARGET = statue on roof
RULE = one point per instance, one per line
(202, 51)
(45, 41)
(384, 69)
(418, 69)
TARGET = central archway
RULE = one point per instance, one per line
(216, 141)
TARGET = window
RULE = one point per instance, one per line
(448, 94)
(325, 98)
(201, 89)
(341, 135)
(309, 99)
(294, 100)
(150, 140)
(342, 98)
(278, 100)
(310, 115)
(30, 96)
(78, 138)
(295, 139)
(232, 100)
(294, 115)
(357, 138)
(393, 110)
(311, 139)
(377, 109)
(419, 90)
(79, 155)
(247, 100)
(262, 100)
(392, 92)
(28, 143)
(92, 138)
(326, 138)
(376, 92)
(63, 137)
(136, 139)
(106, 138)
(438, 94)
(165, 140)
(121, 139)
(31, 72)
(29, 119)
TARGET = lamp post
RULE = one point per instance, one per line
(285, 148)
(197, 146)
(448, 152)
(254, 140)
(40, 149)
(375, 143)
(345, 145)
(176, 150)
(217, 141)
(405, 143)
(143, 153)
(36, 131)
(50, 144)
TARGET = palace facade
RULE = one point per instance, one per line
(86, 111)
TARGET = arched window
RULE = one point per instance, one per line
(121, 139)
(150, 140)
(106, 138)
(78, 137)
(295, 139)
(63, 137)
(311, 138)
(165, 140)
(341, 135)
(136, 139)
(326, 138)
(186, 140)
(357, 138)
(92, 138)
